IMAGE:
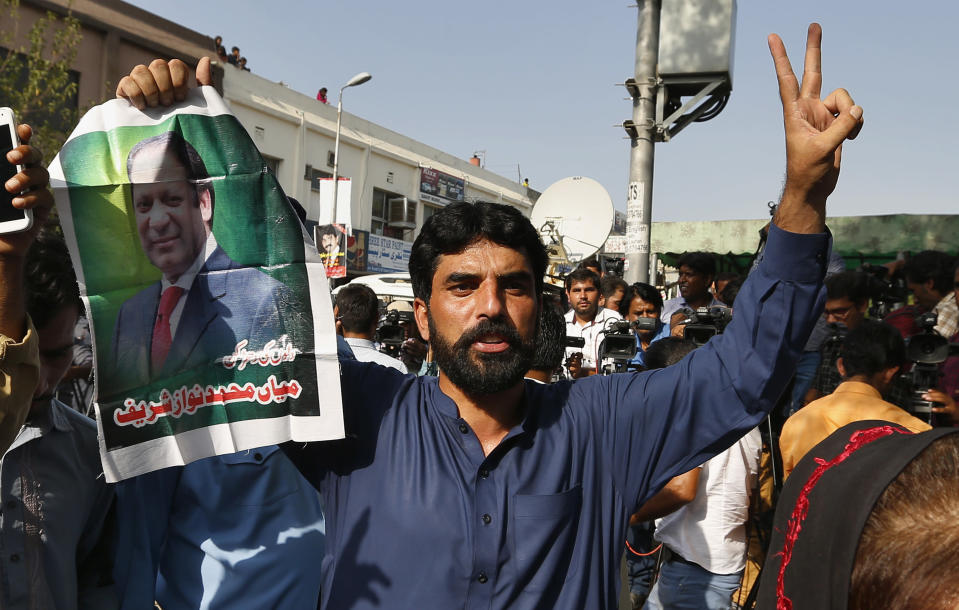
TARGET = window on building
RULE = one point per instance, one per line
(272, 164)
(392, 216)
(313, 175)
(429, 210)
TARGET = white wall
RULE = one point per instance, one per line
(298, 130)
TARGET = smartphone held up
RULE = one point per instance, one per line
(12, 220)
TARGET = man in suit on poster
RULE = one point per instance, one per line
(205, 303)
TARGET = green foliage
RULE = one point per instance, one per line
(35, 78)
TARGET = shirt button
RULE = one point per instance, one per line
(484, 473)
(463, 428)
(258, 456)
(487, 519)
(482, 579)
(14, 558)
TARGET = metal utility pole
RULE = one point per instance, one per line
(639, 195)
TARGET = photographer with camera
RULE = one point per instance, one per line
(643, 302)
(696, 272)
(869, 359)
(929, 277)
(356, 312)
(586, 319)
(847, 297)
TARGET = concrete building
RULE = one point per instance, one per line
(396, 181)
(115, 36)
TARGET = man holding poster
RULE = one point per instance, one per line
(522, 492)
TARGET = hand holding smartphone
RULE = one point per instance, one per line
(12, 220)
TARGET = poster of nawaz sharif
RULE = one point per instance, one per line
(212, 322)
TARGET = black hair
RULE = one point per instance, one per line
(582, 274)
(609, 284)
(931, 265)
(644, 291)
(49, 280)
(667, 352)
(237, 49)
(731, 290)
(852, 285)
(458, 225)
(590, 262)
(550, 340)
(184, 152)
(327, 230)
(871, 348)
(357, 308)
(700, 262)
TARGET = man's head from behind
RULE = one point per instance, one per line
(53, 303)
(477, 271)
(929, 276)
(612, 289)
(696, 271)
(873, 353)
(550, 344)
(357, 311)
(667, 352)
(172, 201)
(847, 297)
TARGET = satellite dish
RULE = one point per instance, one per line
(574, 217)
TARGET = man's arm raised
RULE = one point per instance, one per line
(19, 359)
(815, 131)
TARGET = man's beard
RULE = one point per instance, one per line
(481, 373)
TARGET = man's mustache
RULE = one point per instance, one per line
(498, 327)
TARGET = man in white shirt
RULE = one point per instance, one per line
(702, 517)
(586, 319)
(356, 312)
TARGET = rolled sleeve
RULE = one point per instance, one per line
(19, 375)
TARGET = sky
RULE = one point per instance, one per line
(534, 84)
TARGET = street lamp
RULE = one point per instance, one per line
(359, 79)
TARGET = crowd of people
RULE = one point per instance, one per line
(515, 441)
(234, 58)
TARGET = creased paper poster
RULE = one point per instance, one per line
(212, 323)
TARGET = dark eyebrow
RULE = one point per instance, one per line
(461, 276)
(516, 275)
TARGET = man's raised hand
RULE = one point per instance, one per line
(815, 131)
(29, 188)
(162, 83)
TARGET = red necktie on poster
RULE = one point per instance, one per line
(162, 337)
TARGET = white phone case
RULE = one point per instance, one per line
(11, 220)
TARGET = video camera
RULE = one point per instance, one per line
(888, 292)
(390, 332)
(706, 322)
(926, 351)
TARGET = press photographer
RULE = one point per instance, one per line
(642, 305)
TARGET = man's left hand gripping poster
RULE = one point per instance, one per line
(212, 322)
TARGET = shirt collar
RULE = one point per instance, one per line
(186, 279)
(857, 387)
(358, 342)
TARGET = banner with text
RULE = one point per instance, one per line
(211, 319)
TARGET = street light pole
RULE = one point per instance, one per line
(359, 79)
(639, 199)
